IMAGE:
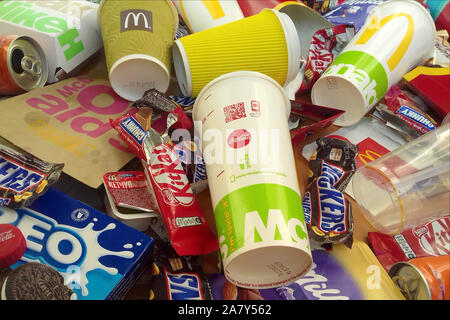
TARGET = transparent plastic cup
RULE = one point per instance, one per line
(407, 186)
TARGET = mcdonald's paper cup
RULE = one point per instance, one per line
(397, 36)
(201, 15)
(266, 43)
(252, 179)
(137, 37)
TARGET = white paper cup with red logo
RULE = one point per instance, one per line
(241, 119)
(396, 37)
(201, 15)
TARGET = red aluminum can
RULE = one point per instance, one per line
(423, 278)
(23, 66)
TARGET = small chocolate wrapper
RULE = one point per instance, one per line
(24, 177)
(157, 100)
(337, 152)
(406, 113)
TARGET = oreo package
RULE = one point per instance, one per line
(23, 177)
(328, 212)
(98, 256)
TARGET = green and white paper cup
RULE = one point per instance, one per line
(397, 36)
(138, 36)
(242, 120)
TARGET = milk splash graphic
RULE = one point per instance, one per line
(83, 242)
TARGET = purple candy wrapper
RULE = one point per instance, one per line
(354, 12)
(327, 280)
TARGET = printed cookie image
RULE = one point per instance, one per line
(4, 272)
(35, 281)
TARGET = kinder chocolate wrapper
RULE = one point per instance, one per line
(131, 189)
(326, 44)
(176, 277)
(23, 177)
(426, 240)
(352, 12)
(343, 274)
(187, 228)
(328, 213)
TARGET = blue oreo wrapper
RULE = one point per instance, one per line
(98, 256)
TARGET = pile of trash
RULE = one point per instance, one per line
(224, 150)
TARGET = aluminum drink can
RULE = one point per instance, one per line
(23, 65)
(425, 278)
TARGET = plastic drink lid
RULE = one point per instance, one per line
(12, 245)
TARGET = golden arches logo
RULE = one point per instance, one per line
(376, 24)
(368, 156)
(213, 6)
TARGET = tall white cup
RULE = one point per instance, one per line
(397, 36)
(252, 178)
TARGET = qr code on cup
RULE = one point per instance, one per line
(234, 112)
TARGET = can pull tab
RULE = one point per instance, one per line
(31, 66)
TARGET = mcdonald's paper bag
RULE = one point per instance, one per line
(372, 137)
(68, 122)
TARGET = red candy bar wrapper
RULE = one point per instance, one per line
(131, 130)
(410, 112)
(133, 127)
(426, 240)
(131, 189)
(326, 44)
(188, 230)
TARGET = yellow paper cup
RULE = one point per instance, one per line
(137, 37)
(266, 42)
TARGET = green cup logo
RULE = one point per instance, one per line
(260, 213)
(364, 71)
